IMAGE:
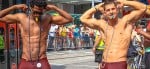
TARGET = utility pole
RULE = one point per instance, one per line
(93, 6)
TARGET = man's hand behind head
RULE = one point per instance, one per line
(100, 7)
(50, 7)
(120, 4)
(21, 6)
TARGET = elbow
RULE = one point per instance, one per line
(0, 14)
(1, 20)
(70, 19)
(82, 19)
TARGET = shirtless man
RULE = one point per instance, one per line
(117, 30)
(34, 30)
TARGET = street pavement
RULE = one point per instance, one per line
(72, 59)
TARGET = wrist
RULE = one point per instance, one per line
(124, 2)
(95, 8)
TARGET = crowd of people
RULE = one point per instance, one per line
(70, 37)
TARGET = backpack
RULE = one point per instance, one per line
(134, 48)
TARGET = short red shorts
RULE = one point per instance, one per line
(32, 65)
(114, 65)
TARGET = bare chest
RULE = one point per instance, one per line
(34, 28)
(117, 34)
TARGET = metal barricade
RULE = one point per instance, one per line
(58, 43)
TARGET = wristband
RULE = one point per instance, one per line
(95, 8)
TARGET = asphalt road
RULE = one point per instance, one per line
(86, 62)
(81, 59)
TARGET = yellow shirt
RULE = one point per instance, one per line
(63, 32)
(101, 43)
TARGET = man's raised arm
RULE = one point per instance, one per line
(6, 17)
(12, 8)
(87, 18)
(6, 11)
(63, 16)
(139, 10)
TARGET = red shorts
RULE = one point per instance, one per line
(114, 65)
(32, 65)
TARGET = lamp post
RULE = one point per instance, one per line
(92, 6)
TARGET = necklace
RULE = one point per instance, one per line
(39, 65)
(29, 39)
(103, 64)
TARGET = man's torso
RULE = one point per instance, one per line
(34, 40)
(117, 41)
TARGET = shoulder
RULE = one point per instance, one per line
(101, 23)
(20, 15)
(46, 17)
